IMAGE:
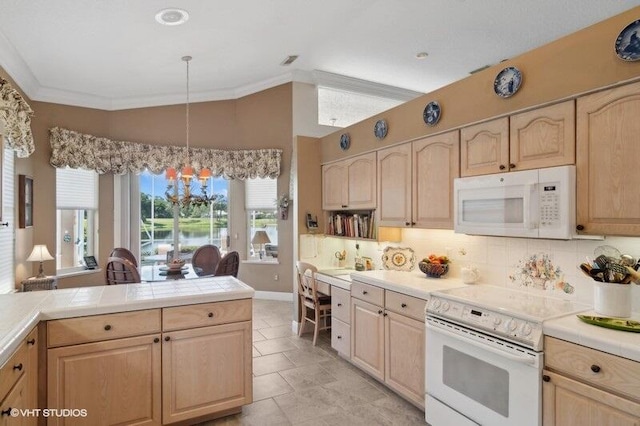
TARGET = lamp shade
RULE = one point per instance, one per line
(39, 253)
(260, 237)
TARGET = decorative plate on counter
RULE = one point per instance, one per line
(432, 112)
(380, 129)
(628, 42)
(507, 82)
(398, 259)
(345, 141)
(615, 323)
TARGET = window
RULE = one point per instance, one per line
(260, 204)
(76, 218)
(7, 268)
(195, 226)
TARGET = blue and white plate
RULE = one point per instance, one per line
(431, 114)
(345, 141)
(628, 42)
(380, 129)
(507, 82)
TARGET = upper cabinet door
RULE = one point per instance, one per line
(484, 148)
(394, 186)
(608, 149)
(361, 175)
(435, 166)
(334, 186)
(544, 137)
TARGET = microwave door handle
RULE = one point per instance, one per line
(515, 358)
(530, 221)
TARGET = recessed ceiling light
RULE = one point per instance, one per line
(421, 55)
(172, 16)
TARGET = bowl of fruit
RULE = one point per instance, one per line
(434, 266)
(176, 265)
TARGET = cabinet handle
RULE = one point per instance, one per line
(413, 224)
(107, 327)
(502, 167)
(156, 340)
(344, 206)
(385, 314)
(31, 342)
(546, 378)
(210, 314)
(407, 223)
(339, 304)
(339, 337)
(364, 292)
(595, 368)
(404, 305)
(512, 166)
(6, 412)
(580, 227)
(380, 311)
(18, 367)
(167, 338)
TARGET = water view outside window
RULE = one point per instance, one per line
(196, 225)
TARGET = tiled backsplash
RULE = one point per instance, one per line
(499, 260)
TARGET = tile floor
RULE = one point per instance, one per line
(296, 383)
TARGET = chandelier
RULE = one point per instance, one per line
(179, 187)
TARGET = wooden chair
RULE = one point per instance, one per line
(121, 271)
(229, 264)
(124, 253)
(206, 257)
(312, 301)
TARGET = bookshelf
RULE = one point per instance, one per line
(352, 224)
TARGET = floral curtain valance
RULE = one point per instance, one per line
(15, 118)
(78, 150)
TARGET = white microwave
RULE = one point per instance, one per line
(532, 203)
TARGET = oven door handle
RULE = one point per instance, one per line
(516, 358)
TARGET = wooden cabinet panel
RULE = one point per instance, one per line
(394, 186)
(367, 337)
(97, 328)
(566, 402)
(544, 137)
(13, 369)
(608, 148)
(436, 163)
(334, 186)
(340, 305)
(17, 399)
(367, 292)
(341, 337)
(404, 356)
(206, 370)
(484, 148)
(361, 173)
(405, 305)
(116, 381)
(206, 314)
(32, 373)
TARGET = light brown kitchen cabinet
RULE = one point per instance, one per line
(415, 182)
(350, 184)
(608, 149)
(367, 337)
(17, 399)
(543, 137)
(588, 387)
(19, 383)
(341, 321)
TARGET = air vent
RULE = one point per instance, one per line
(289, 60)
(479, 69)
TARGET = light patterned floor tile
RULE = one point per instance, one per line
(273, 346)
(269, 385)
(271, 363)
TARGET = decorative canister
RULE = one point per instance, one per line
(612, 300)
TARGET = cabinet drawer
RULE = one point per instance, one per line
(73, 331)
(12, 370)
(206, 314)
(600, 369)
(340, 305)
(405, 305)
(368, 293)
(341, 337)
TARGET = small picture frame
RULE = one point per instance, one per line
(25, 201)
(90, 262)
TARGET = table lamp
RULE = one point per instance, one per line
(40, 253)
(260, 238)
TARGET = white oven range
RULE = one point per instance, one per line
(484, 355)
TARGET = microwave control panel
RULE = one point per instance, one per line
(549, 205)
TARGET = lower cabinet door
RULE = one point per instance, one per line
(566, 402)
(113, 382)
(206, 370)
(404, 356)
(341, 337)
(16, 399)
(367, 337)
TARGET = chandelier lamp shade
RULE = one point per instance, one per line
(179, 188)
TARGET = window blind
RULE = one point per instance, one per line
(76, 189)
(261, 194)
(7, 249)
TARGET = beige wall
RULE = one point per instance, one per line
(575, 64)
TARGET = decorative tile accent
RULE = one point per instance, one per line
(537, 271)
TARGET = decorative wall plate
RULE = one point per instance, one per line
(380, 129)
(345, 141)
(628, 42)
(507, 82)
(432, 112)
(398, 259)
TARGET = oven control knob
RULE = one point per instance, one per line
(436, 303)
(497, 321)
(512, 325)
(526, 329)
(445, 306)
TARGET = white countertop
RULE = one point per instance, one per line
(413, 283)
(571, 328)
(20, 312)
(336, 277)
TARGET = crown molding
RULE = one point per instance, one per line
(17, 68)
(351, 84)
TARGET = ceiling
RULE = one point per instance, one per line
(112, 54)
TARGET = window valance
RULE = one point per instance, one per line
(78, 150)
(15, 118)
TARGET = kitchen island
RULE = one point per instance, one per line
(155, 353)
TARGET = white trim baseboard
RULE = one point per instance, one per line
(274, 295)
(295, 327)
